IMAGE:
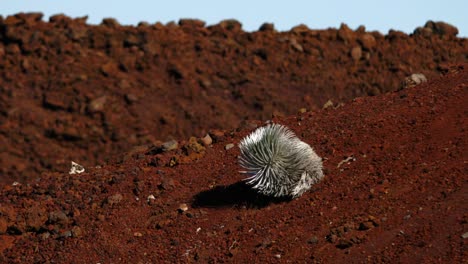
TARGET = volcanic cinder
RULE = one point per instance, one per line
(134, 105)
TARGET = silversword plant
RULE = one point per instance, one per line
(278, 163)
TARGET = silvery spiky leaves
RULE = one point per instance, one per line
(279, 163)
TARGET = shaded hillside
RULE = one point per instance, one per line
(395, 191)
(72, 91)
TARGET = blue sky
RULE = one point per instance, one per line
(375, 15)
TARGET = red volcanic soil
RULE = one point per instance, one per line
(72, 91)
(395, 191)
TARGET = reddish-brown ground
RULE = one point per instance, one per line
(400, 197)
(71, 91)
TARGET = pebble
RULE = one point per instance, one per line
(328, 104)
(302, 110)
(170, 145)
(229, 146)
(344, 244)
(267, 27)
(356, 53)
(3, 225)
(167, 183)
(131, 98)
(293, 42)
(97, 105)
(182, 208)
(150, 198)
(76, 231)
(418, 78)
(58, 217)
(217, 135)
(366, 225)
(207, 140)
(313, 240)
(114, 199)
(367, 41)
(76, 168)
(189, 22)
(66, 234)
(465, 235)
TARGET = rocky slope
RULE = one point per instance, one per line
(72, 91)
(396, 181)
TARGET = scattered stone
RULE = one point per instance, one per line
(230, 24)
(109, 69)
(110, 22)
(3, 225)
(166, 183)
(207, 140)
(367, 41)
(131, 98)
(44, 236)
(366, 225)
(344, 244)
(440, 28)
(217, 135)
(299, 29)
(58, 217)
(267, 27)
(76, 168)
(188, 22)
(161, 224)
(413, 80)
(313, 240)
(356, 53)
(137, 234)
(97, 105)
(150, 198)
(229, 146)
(194, 146)
(114, 199)
(296, 46)
(347, 159)
(76, 231)
(182, 208)
(143, 24)
(278, 256)
(345, 33)
(328, 104)
(65, 234)
(35, 218)
(170, 145)
(465, 235)
(59, 19)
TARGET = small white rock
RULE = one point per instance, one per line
(229, 146)
(76, 168)
(183, 207)
(464, 236)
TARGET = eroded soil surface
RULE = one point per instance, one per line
(399, 197)
(72, 91)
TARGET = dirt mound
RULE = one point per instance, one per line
(396, 179)
(72, 91)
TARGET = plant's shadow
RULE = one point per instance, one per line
(237, 194)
